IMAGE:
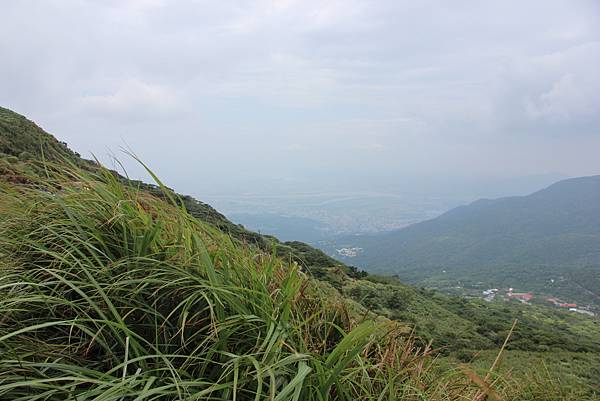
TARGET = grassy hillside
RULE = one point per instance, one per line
(107, 292)
(548, 241)
(23, 142)
(20, 138)
(112, 289)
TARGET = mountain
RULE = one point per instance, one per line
(116, 288)
(22, 139)
(548, 241)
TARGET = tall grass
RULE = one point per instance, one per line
(108, 293)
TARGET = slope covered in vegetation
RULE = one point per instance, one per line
(546, 242)
(113, 289)
(22, 141)
(110, 293)
(20, 138)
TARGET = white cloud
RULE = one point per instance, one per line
(554, 93)
(296, 147)
(133, 99)
(573, 90)
(369, 147)
(430, 85)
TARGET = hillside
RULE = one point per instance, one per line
(71, 237)
(548, 241)
(21, 140)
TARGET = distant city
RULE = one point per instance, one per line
(314, 217)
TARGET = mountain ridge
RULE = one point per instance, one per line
(555, 230)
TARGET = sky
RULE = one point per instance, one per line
(267, 96)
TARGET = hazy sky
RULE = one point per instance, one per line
(306, 92)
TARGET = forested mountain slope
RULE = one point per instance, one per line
(549, 240)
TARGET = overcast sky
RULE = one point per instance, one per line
(213, 94)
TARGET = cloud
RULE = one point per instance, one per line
(567, 100)
(574, 95)
(134, 100)
(296, 147)
(430, 87)
(552, 93)
(369, 147)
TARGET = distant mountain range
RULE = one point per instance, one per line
(548, 241)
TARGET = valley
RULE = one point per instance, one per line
(545, 242)
(317, 216)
